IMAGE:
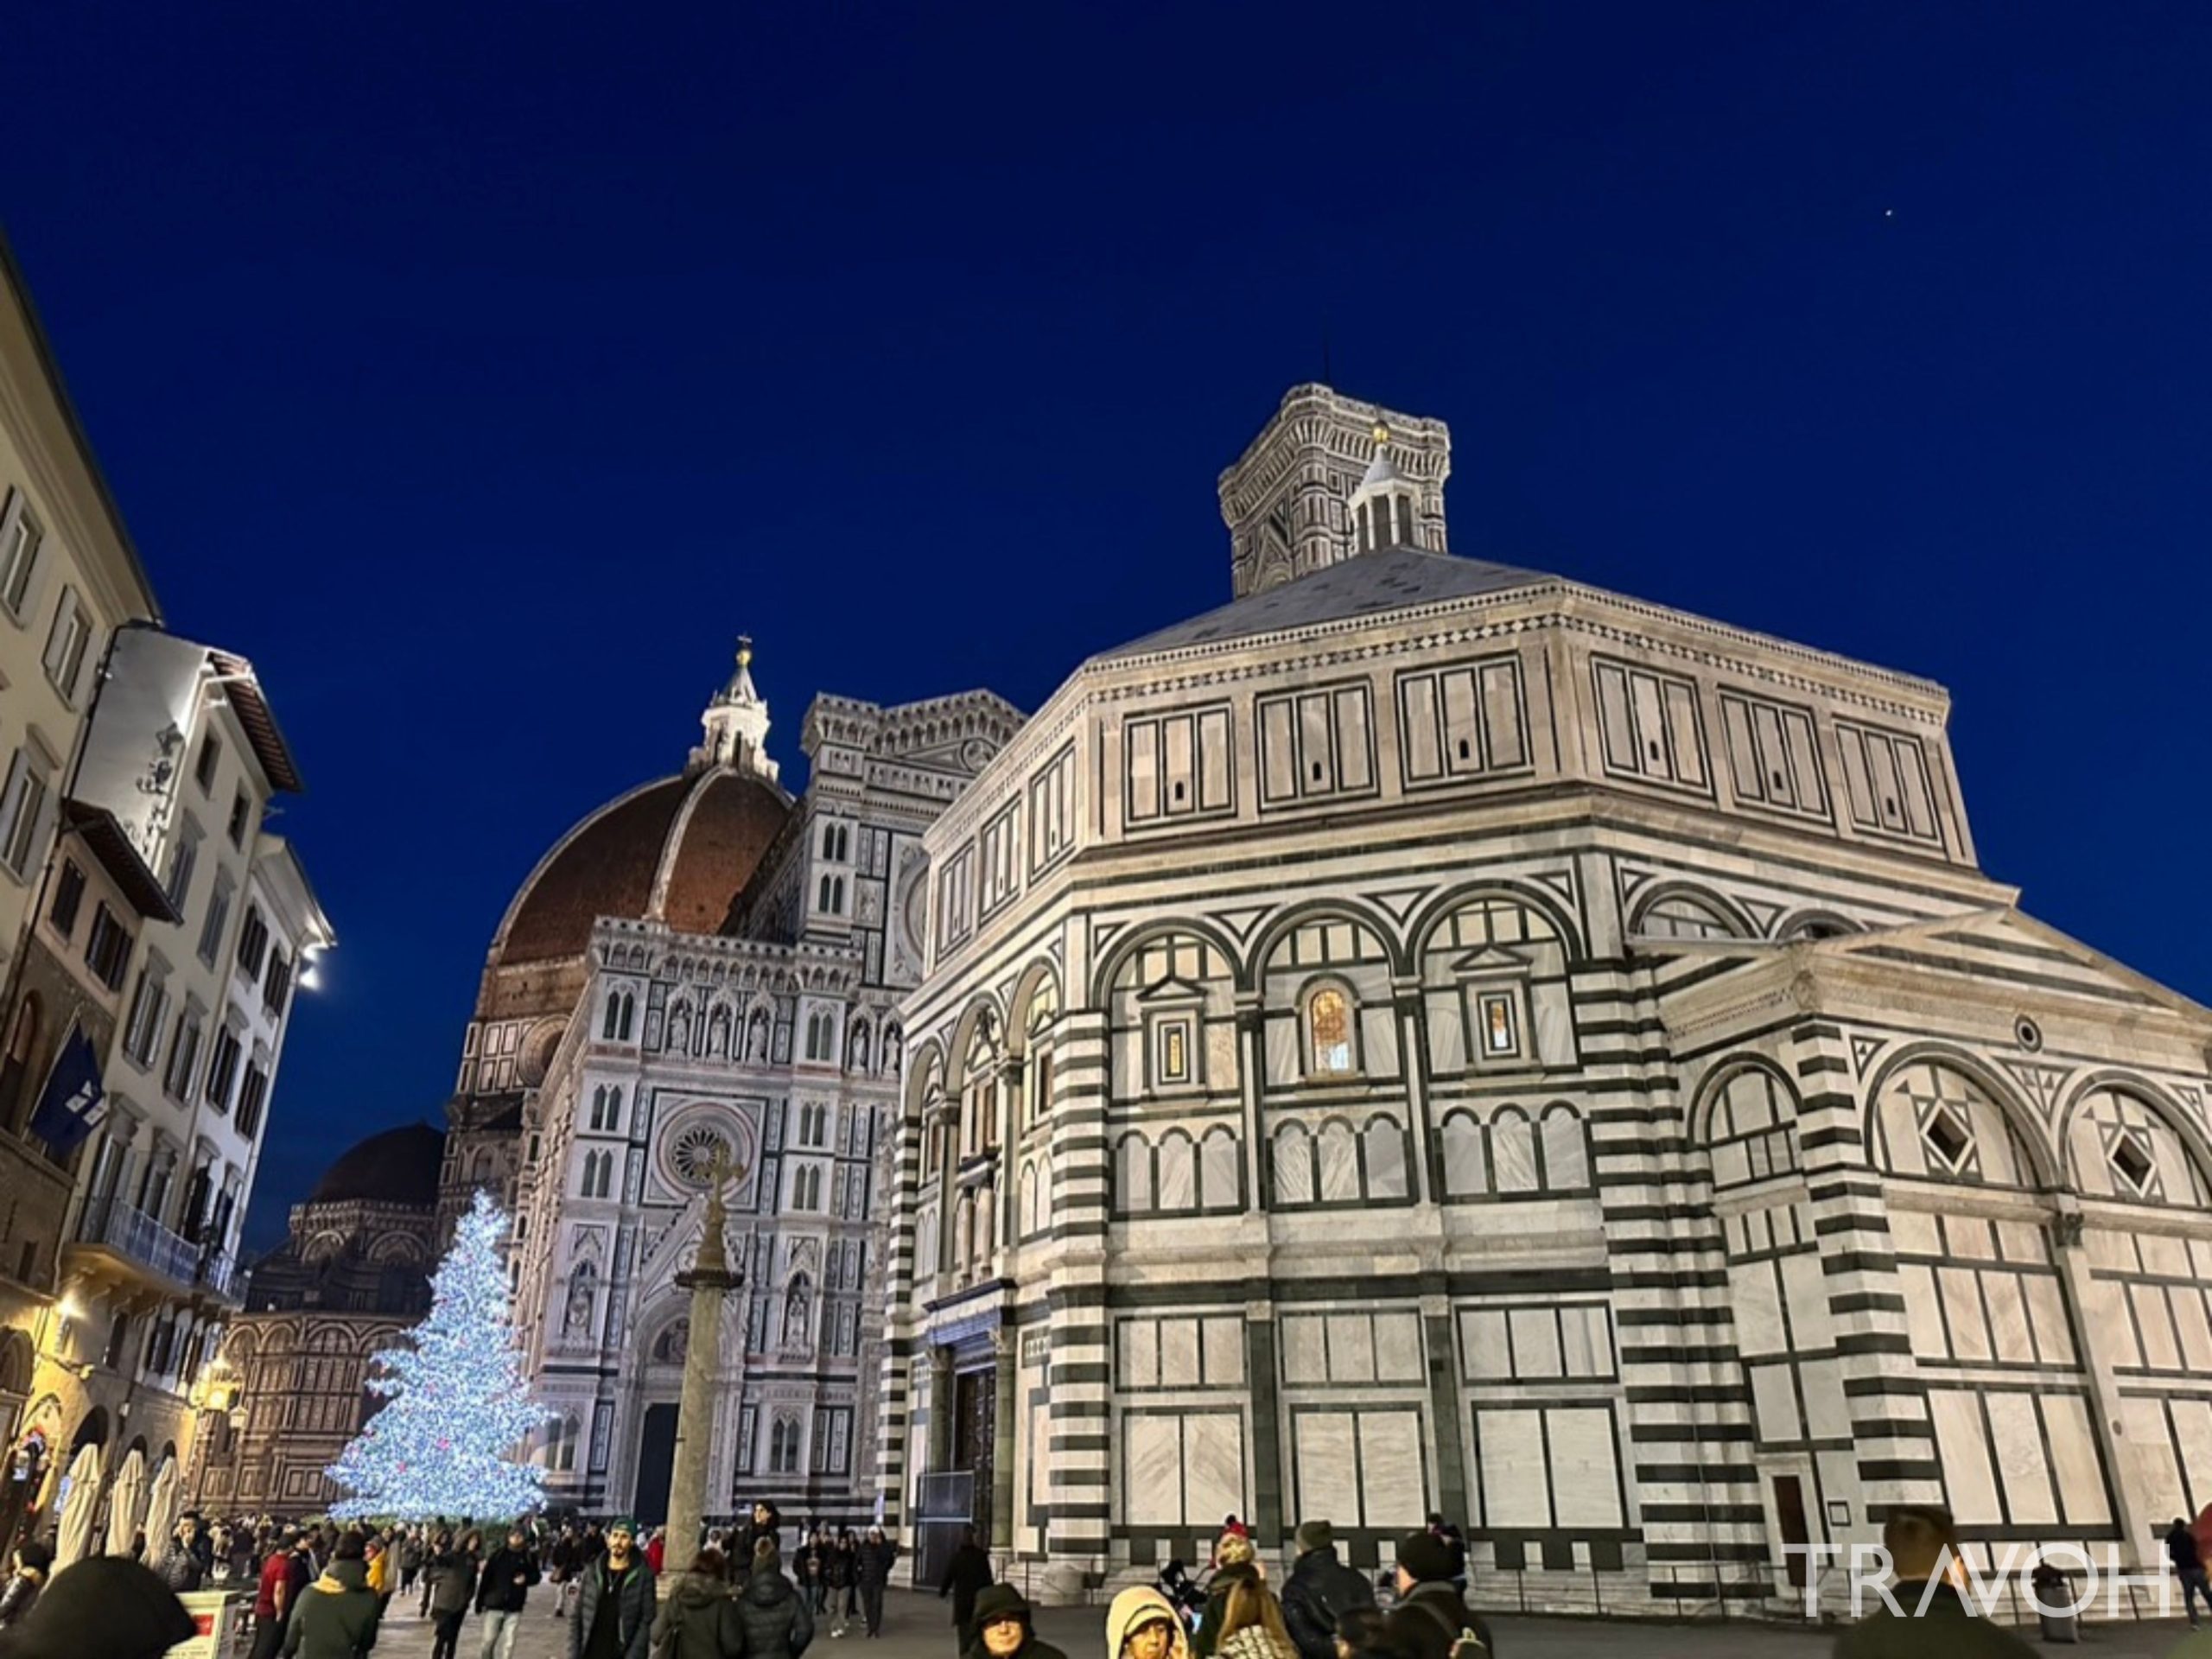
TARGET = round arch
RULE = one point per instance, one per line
(2034, 1139)
(926, 1073)
(2161, 1105)
(980, 1006)
(1703, 1102)
(91, 1431)
(1118, 954)
(1356, 911)
(1720, 907)
(1546, 905)
(1037, 974)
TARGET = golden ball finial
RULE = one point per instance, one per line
(744, 651)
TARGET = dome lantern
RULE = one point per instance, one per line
(736, 723)
(1386, 507)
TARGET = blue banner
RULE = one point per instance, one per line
(72, 1098)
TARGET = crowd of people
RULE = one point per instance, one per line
(324, 1591)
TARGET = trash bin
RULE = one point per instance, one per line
(2053, 1590)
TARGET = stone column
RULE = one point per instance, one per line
(940, 1411)
(1005, 1344)
(710, 1280)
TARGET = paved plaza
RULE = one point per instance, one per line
(916, 1627)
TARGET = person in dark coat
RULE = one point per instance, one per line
(1004, 1628)
(778, 1623)
(872, 1563)
(844, 1588)
(105, 1607)
(614, 1614)
(508, 1572)
(699, 1617)
(34, 1561)
(1431, 1616)
(2188, 1567)
(765, 1522)
(1320, 1591)
(180, 1566)
(967, 1575)
(1923, 1546)
(452, 1587)
(337, 1615)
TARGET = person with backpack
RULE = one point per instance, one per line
(872, 1563)
(1430, 1605)
(699, 1617)
(1321, 1590)
(778, 1623)
(338, 1613)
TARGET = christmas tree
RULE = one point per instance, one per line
(448, 1441)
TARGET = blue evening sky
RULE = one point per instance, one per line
(481, 370)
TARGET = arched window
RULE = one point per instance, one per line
(1384, 1145)
(837, 895)
(926, 1244)
(2121, 1148)
(1040, 1086)
(1681, 916)
(1513, 1152)
(822, 894)
(1752, 1127)
(1936, 1122)
(611, 1029)
(1032, 1212)
(828, 841)
(1176, 1172)
(1221, 1172)
(1466, 1158)
(1328, 1032)
(1293, 1166)
(783, 1447)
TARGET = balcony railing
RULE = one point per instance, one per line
(131, 1232)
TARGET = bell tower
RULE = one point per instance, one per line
(1289, 500)
(735, 723)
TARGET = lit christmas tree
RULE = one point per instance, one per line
(449, 1440)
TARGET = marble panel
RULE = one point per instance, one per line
(1219, 1040)
(1513, 1153)
(1177, 1162)
(1552, 1012)
(1385, 1160)
(1339, 1151)
(1179, 1354)
(1305, 1351)
(1567, 1155)
(2200, 1255)
(2076, 1465)
(1397, 1348)
(1586, 1340)
(1378, 1035)
(2193, 1440)
(1221, 1172)
(1447, 1032)
(1754, 1290)
(2021, 1242)
(1152, 1470)
(1280, 1038)
(1515, 1488)
(1351, 1347)
(1805, 1293)
(2188, 1308)
(2008, 1316)
(1584, 1472)
(2109, 1251)
(1324, 1459)
(2167, 1257)
(1915, 1233)
(1828, 1410)
(1774, 1403)
(1971, 1238)
(1213, 1465)
(2156, 1327)
(1535, 1342)
(1466, 1169)
(1963, 1448)
(2147, 1450)
(1394, 1476)
(1224, 1357)
(2047, 1319)
(1485, 1356)
(1140, 1354)
(1962, 1311)
(2020, 1464)
(1293, 1166)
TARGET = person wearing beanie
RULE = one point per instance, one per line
(1320, 1591)
(103, 1607)
(778, 1624)
(1431, 1617)
(34, 1561)
(1004, 1628)
(1226, 1578)
(614, 1614)
(1143, 1625)
(337, 1615)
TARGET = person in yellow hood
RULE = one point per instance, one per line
(1141, 1625)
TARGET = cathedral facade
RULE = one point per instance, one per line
(1431, 1035)
(709, 969)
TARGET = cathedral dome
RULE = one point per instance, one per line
(397, 1167)
(679, 850)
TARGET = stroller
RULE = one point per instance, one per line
(1185, 1594)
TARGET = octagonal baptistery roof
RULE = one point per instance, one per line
(679, 850)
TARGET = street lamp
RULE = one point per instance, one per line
(217, 1391)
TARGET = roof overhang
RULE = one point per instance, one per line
(259, 725)
(102, 832)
